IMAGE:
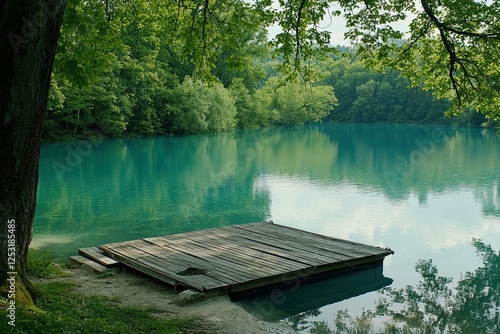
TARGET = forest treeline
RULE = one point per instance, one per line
(126, 78)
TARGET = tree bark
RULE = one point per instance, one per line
(29, 30)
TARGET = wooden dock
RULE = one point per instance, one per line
(241, 260)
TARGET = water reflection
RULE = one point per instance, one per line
(400, 160)
(176, 184)
(424, 191)
(128, 189)
(300, 301)
(435, 305)
(356, 213)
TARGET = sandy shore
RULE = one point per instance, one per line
(218, 314)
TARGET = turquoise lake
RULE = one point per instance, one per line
(427, 192)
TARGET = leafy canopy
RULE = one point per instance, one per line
(449, 47)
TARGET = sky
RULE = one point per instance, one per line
(336, 25)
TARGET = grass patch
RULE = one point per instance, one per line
(40, 265)
(63, 310)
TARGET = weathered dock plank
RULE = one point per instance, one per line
(237, 258)
(88, 264)
(343, 247)
(96, 255)
(161, 268)
(222, 259)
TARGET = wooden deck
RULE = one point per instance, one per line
(240, 258)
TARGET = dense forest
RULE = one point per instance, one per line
(125, 78)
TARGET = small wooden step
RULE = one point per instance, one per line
(96, 255)
(88, 264)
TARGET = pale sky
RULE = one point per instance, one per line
(337, 27)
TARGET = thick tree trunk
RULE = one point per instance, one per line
(29, 30)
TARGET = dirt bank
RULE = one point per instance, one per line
(218, 315)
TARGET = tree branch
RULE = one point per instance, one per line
(193, 18)
(468, 33)
(410, 46)
(176, 22)
(203, 26)
(106, 9)
(448, 45)
(297, 33)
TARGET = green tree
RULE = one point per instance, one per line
(245, 108)
(294, 102)
(198, 107)
(368, 96)
(101, 107)
(363, 109)
(110, 106)
(189, 112)
(88, 52)
(452, 47)
(221, 113)
(241, 58)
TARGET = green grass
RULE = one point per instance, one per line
(63, 310)
(40, 265)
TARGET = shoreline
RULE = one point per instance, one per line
(131, 288)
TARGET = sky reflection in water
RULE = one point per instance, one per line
(424, 191)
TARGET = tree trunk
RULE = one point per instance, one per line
(29, 30)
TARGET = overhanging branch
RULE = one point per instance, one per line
(448, 44)
(297, 33)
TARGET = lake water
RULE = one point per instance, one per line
(424, 191)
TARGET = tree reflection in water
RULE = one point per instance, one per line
(434, 305)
